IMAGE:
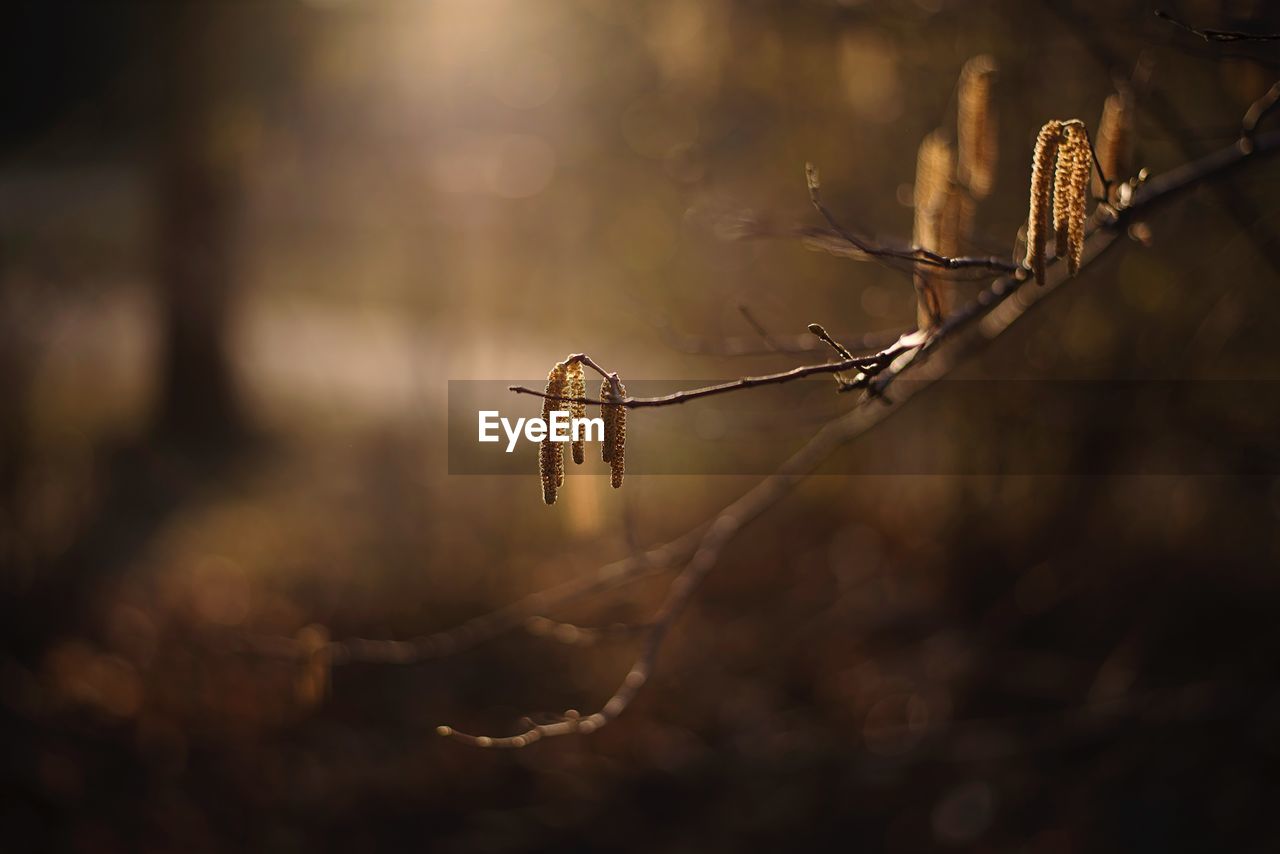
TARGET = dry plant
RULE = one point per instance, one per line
(1060, 175)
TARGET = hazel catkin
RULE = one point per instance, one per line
(577, 409)
(1042, 174)
(1115, 138)
(934, 188)
(1076, 147)
(1060, 170)
(613, 448)
(551, 454)
(976, 127)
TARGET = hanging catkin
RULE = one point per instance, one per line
(1065, 200)
(935, 166)
(1115, 135)
(976, 127)
(1042, 173)
(613, 448)
(1062, 201)
(1071, 186)
(577, 409)
(551, 454)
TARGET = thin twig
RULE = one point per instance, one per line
(916, 255)
(840, 350)
(863, 363)
(841, 242)
(758, 327)
(612, 377)
(1211, 35)
(787, 345)
(825, 337)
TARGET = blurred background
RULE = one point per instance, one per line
(244, 247)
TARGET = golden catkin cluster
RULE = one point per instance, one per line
(578, 409)
(1115, 138)
(976, 127)
(613, 448)
(1060, 170)
(551, 454)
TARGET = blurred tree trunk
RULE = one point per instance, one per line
(15, 375)
(198, 206)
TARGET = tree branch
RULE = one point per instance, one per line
(855, 423)
(868, 364)
(755, 324)
(927, 357)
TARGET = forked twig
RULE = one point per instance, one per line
(916, 255)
